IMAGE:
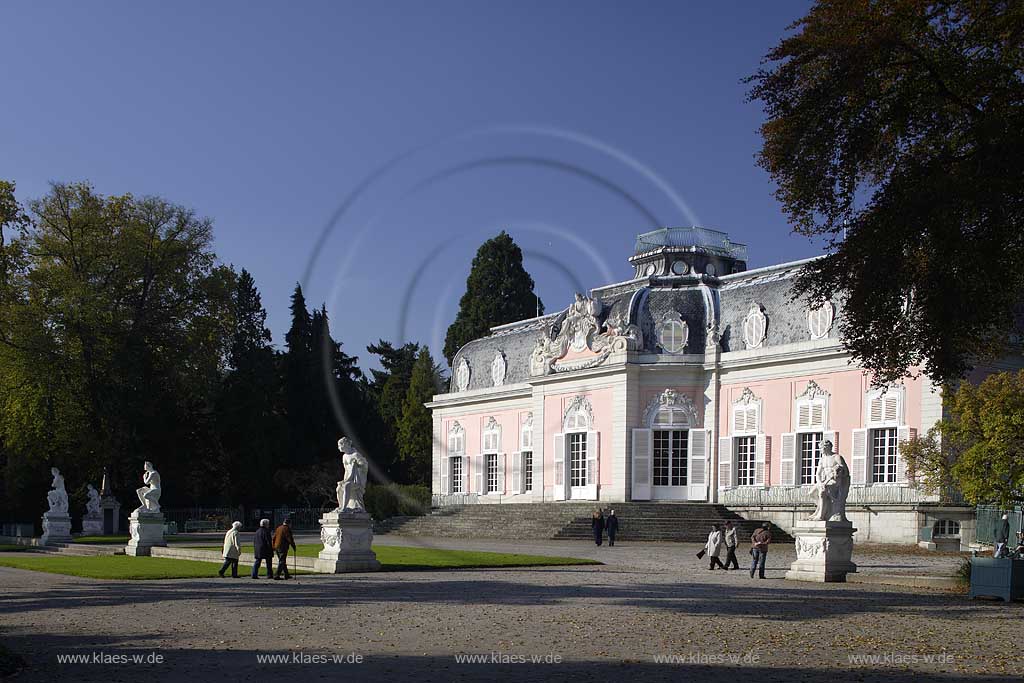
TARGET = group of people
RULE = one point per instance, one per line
(265, 546)
(726, 538)
(600, 524)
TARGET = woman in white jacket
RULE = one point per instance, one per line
(714, 547)
(232, 549)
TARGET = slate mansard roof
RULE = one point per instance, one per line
(645, 301)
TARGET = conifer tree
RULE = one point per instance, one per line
(415, 427)
(498, 291)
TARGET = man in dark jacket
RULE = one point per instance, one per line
(283, 540)
(611, 525)
(263, 549)
(1002, 535)
(759, 553)
(597, 526)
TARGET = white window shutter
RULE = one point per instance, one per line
(538, 472)
(762, 453)
(726, 471)
(876, 412)
(480, 473)
(787, 460)
(892, 407)
(445, 476)
(859, 457)
(697, 468)
(903, 434)
(739, 420)
(593, 461)
(818, 415)
(464, 477)
(803, 419)
(501, 473)
(517, 473)
(642, 445)
(559, 461)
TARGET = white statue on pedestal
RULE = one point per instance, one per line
(57, 497)
(352, 487)
(92, 505)
(149, 495)
(831, 486)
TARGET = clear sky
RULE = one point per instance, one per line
(434, 125)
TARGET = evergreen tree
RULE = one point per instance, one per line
(389, 388)
(248, 412)
(298, 382)
(498, 291)
(415, 429)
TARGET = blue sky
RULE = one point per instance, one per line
(572, 125)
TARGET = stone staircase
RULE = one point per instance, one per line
(78, 549)
(675, 522)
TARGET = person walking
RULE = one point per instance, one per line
(714, 548)
(597, 525)
(263, 549)
(232, 550)
(611, 525)
(1002, 536)
(283, 540)
(759, 550)
(730, 546)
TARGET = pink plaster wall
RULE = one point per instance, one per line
(473, 423)
(846, 408)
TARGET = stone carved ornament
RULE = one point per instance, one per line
(755, 327)
(92, 505)
(498, 368)
(672, 398)
(578, 330)
(462, 374)
(149, 495)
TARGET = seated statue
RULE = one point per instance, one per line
(57, 497)
(149, 495)
(353, 485)
(92, 504)
(831, 486)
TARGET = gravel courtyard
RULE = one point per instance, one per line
(610, 622)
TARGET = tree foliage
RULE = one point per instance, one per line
(894, 132)
(498, 291)
(415, 431)
(979, 447)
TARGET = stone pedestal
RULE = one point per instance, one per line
(92, 525)
(823, 551)
(346, 537)
(56, 528)
(146, 530)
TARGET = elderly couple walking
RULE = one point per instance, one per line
(718, 539)
(264, 548)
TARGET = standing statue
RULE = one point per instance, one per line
(831, 486)
(352, 487)
(149, 495)
(57, 497)
(92, 505)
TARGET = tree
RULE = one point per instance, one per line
(415, 429)
(893, 132)
(388, 390)
(249, 412)
(977, 448)
(114, 334)
(498, 291)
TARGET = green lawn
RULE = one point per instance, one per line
(113, 566)
(402, 558)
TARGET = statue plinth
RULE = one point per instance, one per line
(146, 530)
(823, 551)
(347, 537)
(92, 525)
(56, 528)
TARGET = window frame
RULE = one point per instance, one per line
(746, 470)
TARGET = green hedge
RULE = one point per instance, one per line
(392, 500)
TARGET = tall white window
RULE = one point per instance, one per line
(526, 455)
(670, 448)
(492, 472)
(577, 443)
(810, 453)
(883, 455)
(456, 464)
(746, 460)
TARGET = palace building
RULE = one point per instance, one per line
(697, 380)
